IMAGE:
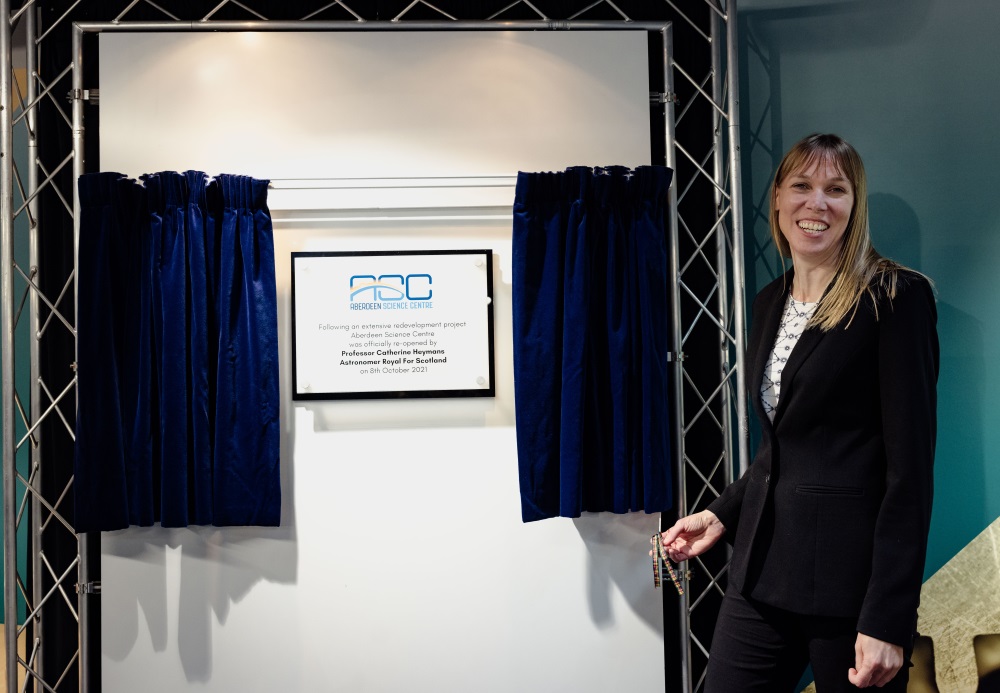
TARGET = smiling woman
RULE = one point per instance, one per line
(814, 205)
(828, 545)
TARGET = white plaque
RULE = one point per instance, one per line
(392, 324)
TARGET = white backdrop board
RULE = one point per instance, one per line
(401, 562)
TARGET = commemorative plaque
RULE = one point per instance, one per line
(368, 325)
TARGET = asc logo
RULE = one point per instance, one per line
(391, 287)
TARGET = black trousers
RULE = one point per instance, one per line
(761, 649)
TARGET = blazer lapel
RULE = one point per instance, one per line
(808, 342)
(763, 343)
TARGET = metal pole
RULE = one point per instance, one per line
(736, 200)
(676, 343)
(7, 350)
(31, 121)
(353, 26)
(85, 542)
(722, 250)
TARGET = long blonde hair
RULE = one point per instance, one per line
(860, 268)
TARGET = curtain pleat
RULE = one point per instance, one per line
(591, 341)
(178, 419)
(101, 341)
(247, 400)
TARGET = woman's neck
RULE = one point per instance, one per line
(809, 283)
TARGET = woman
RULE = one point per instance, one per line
(829, 524)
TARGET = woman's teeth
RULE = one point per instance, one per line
(812, 226)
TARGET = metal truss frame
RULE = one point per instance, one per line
(706, 264)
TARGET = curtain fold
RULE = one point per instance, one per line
(177, 353)
(591, 322)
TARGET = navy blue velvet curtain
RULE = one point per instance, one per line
(591, 340)
(177, 360)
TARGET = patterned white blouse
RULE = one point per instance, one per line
(793, 323)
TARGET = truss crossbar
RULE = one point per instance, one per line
(701, 91)
(45, 92)
(41, 295)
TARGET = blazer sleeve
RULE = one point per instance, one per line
(908, 357)
(728, 505)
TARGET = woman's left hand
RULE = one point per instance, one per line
(876, 662)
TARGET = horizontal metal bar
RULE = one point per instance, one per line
(375, 25)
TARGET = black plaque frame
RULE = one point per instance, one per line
(401, 393)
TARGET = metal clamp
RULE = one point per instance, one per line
(660, 97)
(88, 587)
(92, 95)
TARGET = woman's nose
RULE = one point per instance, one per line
(817, 200)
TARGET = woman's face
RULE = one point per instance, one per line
(814, 205)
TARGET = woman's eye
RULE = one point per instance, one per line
(799, 186)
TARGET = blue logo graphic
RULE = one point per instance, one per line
(391, 287)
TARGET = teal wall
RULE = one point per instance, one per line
(914, 86)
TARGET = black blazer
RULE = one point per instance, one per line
(832, 516)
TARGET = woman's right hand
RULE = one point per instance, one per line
(692, 535)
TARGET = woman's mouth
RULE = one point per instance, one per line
(813, 226)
